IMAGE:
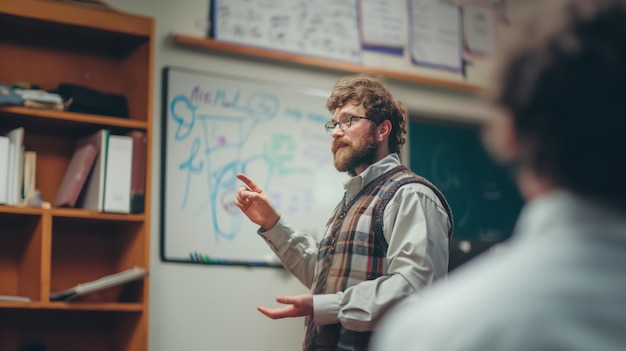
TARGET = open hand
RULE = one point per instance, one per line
(298, 306)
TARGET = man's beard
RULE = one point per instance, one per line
(350, 159)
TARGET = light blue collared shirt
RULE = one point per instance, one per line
(560, 284)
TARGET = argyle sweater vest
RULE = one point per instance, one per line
(354, 250)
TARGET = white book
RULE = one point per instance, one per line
(11, 173)
(4, 169)
(92, 197)
(105, 282)
(16, 150)
(19, 180)
(118, 174)
(39, 96)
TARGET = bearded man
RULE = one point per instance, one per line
(387, 238)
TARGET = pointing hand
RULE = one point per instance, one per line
(255, 204)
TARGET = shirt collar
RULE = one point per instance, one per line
(563, 209)
(356, 183)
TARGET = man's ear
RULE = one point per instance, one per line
(384, 129)
(500, 137)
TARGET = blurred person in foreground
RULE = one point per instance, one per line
(560, 283)
(387, 238)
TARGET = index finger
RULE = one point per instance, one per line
(249, 183)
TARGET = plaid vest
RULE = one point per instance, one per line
(354, 250)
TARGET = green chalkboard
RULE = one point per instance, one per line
(483, 195)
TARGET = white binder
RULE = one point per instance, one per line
(118, 174)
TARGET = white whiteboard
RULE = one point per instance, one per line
(215, 127)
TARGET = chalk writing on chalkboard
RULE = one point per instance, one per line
(216, 127)
(484, 199)
(324, 28)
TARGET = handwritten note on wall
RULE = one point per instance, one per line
(478, 29)
(383, 24)
(324, 28)
(435, 34)
(215, 127)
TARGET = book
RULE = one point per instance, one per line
(19, 176)
(11, 173)
(138, 176)
(16, 154)
(92, 197)
(4, 169)
(44, 105)
(29, 177)
(76, 175)
(118, 174)
(105, 282)
(40, 96)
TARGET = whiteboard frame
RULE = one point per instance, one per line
(165, 99)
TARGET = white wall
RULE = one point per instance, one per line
(214, 307)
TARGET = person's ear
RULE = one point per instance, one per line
(500, 138)
(384, 129)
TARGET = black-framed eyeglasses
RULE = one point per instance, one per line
(344, 123)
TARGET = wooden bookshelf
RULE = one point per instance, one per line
(292, 58)
(44, 250)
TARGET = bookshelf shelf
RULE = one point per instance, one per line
(46, 250)
(27, 211)
(70, 213)
(69, 306)
(17, 115)
(287, 57)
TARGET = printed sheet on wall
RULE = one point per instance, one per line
(217, 126)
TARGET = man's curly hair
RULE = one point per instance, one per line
(377, 100)
(563, 79)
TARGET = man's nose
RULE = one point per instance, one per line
(337, 131)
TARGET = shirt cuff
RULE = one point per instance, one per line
(276, 232)
(326, 309)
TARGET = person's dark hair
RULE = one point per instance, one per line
(377, 100)
(563, 79)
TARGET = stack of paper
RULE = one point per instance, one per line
(38, 98)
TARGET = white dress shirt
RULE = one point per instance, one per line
(416, 228)
(560, 284)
